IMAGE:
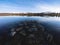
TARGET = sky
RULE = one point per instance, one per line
(29, 6)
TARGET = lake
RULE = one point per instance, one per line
(51, 24)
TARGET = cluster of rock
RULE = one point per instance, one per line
(30, 33)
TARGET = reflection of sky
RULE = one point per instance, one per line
(53, 22)
(5, 19)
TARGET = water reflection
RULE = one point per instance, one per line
(51, 24)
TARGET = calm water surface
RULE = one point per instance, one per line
(51, 23)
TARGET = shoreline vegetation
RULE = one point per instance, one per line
(30, 14)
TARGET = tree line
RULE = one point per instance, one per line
(30, 14)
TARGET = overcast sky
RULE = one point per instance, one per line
(12, 6)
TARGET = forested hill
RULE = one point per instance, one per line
(29, 14)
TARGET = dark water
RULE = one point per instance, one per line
(52, 24)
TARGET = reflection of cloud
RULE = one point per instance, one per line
(51, 18)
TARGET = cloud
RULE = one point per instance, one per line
(6, 8)
(47, 8)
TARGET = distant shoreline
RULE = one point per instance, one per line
(29, 14)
